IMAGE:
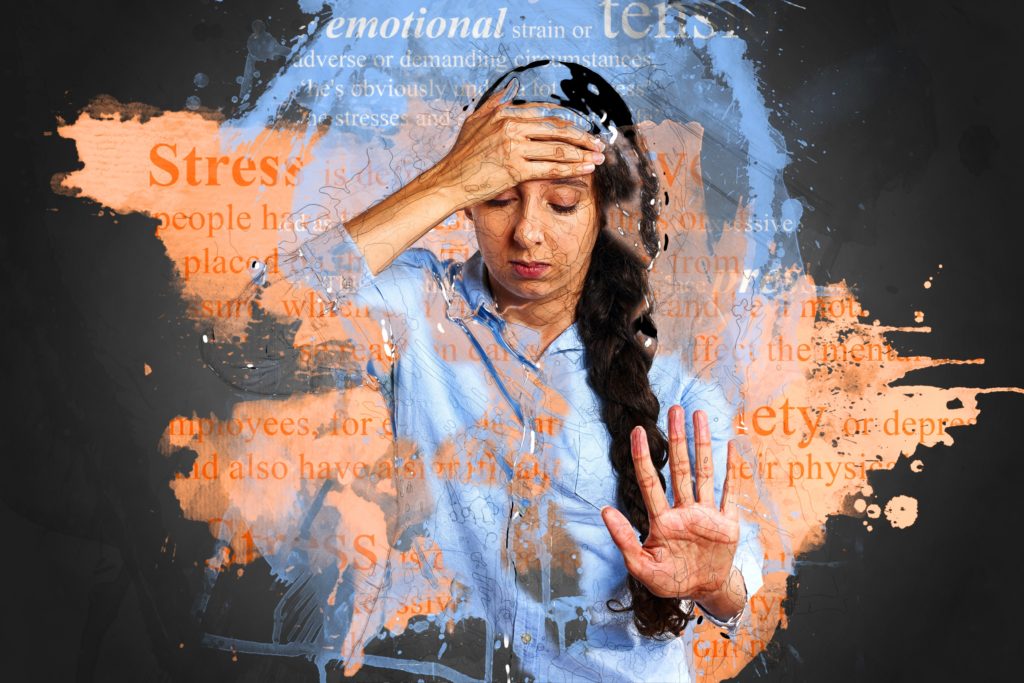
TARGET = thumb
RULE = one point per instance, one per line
(624, 536)
(511, 90)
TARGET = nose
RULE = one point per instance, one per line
(529, 229)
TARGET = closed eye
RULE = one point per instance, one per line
(557, 208)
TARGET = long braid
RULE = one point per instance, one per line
(612, 315)
(617, 331)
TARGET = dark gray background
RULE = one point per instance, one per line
(910, 109)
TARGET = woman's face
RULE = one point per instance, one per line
(536, 238)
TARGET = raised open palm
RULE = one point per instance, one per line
(689, 550)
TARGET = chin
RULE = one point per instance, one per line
(528, 289)
(531, 290)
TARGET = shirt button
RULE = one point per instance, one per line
(527, 638)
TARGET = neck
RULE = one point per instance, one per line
(549, 317)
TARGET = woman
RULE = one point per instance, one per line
(526, 382)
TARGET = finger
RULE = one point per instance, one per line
(535, 109)
(553, 128)
(554, 169)
(557, 151)
(507, 93)
(552, 116)
(540, 110)
(679, 457)
(647, 476)
(546, 130)
(731, 489)
(498, 98)
(705, 468)
(625, 538)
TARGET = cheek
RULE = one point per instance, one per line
(577, 237)
(492, 227)
(495, 223)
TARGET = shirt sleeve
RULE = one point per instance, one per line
(332, 264)
(397, 298)
(700, 395)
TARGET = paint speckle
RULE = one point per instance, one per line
(916, 466)
(201, 80)
(901, 511)
(860, 505)
(927, 284)
(918, 316)
(193, 102)
(146, 369)
(874, 511)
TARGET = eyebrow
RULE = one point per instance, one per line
(575, 182)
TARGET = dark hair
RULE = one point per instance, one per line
(613, 314)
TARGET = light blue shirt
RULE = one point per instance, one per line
(514, 470)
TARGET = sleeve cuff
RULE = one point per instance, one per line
(732, 622)
(330, 263)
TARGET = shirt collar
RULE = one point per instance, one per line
(474, 286)
(481, 303)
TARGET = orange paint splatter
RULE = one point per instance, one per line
(819, 404)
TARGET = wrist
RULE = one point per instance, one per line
(439, 182)
(727, 601)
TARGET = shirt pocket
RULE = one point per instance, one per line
(596, 481)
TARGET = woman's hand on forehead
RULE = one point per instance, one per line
(501, 145)
(558, 116)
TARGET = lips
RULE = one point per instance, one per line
(530, 269)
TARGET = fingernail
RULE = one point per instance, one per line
(677, 422)
(587, 168)
(600, 143)
(597, 157)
